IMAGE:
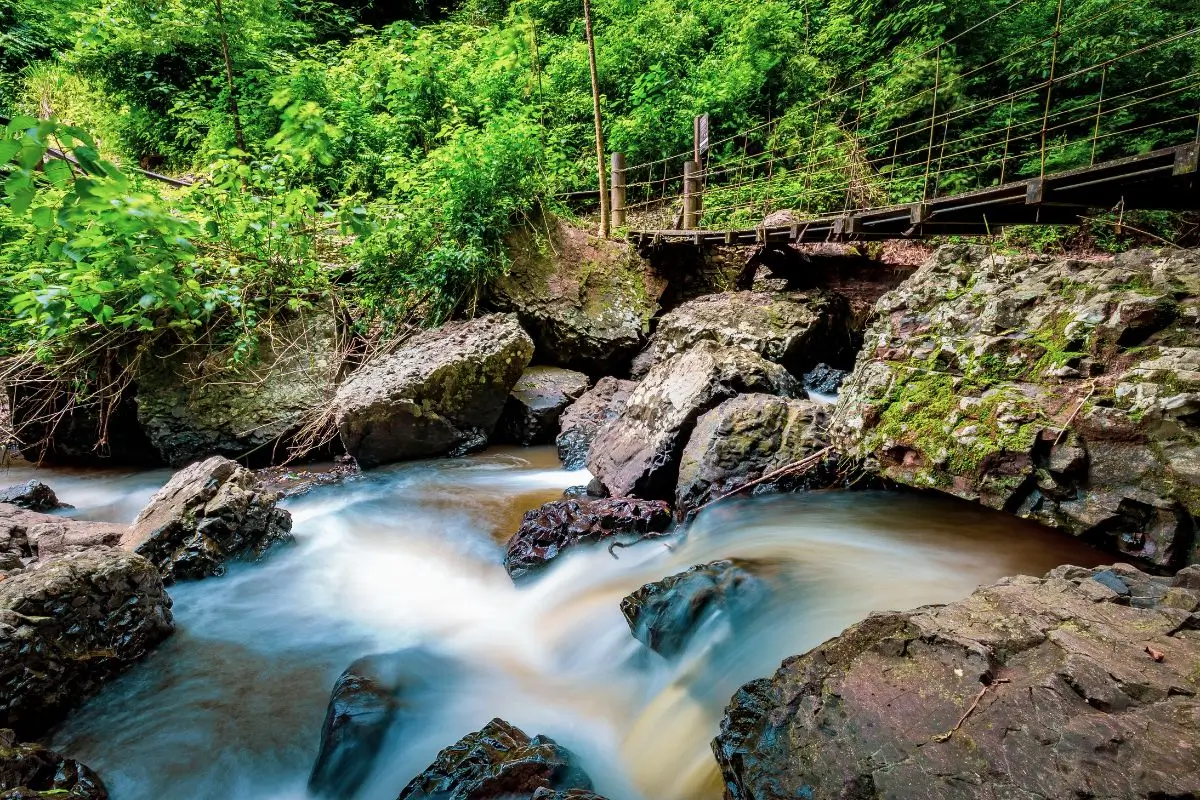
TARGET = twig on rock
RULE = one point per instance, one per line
(1067, 425)
(945, 737)
(803, 465)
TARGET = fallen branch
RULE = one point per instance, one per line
(1075, 413)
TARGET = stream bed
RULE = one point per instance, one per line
(409, 558)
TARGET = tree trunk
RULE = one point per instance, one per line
(233, 105)
(587, 21)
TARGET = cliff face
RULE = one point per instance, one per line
(1063, 391)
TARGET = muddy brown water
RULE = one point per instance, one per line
(409, 557)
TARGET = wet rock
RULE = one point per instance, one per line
(193, 404)
(1033, 687)
(497, 763)
(637, 454)
(27, 535)
(1059, 390)
(587, 303)
(824, 379)
(666, 614)
(746, 438)
(32, 772)
(297, 480)
(570, 794)
(795, 330)
(35, 496)
(69, 624)
(584, 418)
(209, 513)
(441, 393)
(547, 531)
(531, 414)
(363, 706)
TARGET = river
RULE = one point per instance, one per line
(408, 557)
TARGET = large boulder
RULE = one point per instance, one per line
(1079, 684)
(1064, 391)
(499, 762)
(587, 302)
(796, 330)
(637, 454)
(745, 439)
(209, 513)
(33, 772)
(666, 614)
(584, 418)
(536, 403)
(193, 404)
(26, 536)
(69, 624)
(559, 525)
(364, 705)
(441, 393)
(34, 495)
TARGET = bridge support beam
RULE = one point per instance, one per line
(691, 195)
(618, 190)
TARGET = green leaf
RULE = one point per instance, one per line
(8, 149)
(59, 172)
(43, 218)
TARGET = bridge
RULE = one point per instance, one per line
(1072, 128)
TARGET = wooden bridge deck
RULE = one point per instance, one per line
(1163, 180)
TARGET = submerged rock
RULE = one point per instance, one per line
(35, 496)
(69, 624)
(664, 615)
(209, 513)
(795, 330)
(499, 762)
(547, 531)
(33, 772)
(27, 535)
(1063, 391)
(536, 403)
(638, 452)
(363, 706)
(441, 393)
(1034, 687)
(570, 794)
(584, 418)
(745, 439)
(193, 404)
(587, 303)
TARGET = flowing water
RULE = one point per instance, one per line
(408, 557)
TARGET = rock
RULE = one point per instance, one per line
(35, 496)
(536, 403)
(294, 481)
(587, 303)
(193, 404)
(584, 418)
(744, 439)
(498, 762)
(547, 531)
(208, 514)
(570, 794)
(637, 454)
(824, 379)
(796, 330)
(92, 429)
(69, 624)
(961, 387)
(364, 704)
(441, 393)
(664, 615)
(1032, 687)
(27, 535)
(32, 771)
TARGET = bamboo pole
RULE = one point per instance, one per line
(591, 42)
(618, 190)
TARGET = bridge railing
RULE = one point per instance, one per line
(1089, 88)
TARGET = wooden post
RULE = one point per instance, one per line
(591, 42)
(618, 190)
(691, 195)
